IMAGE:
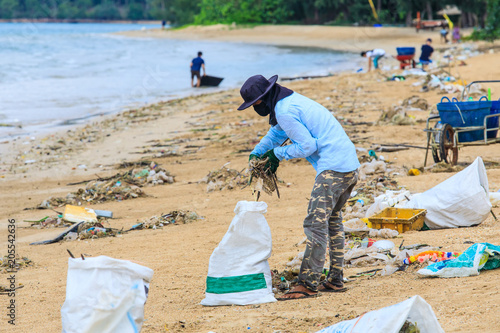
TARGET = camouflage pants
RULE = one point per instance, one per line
(323, 225)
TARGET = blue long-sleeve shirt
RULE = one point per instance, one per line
(315, 134)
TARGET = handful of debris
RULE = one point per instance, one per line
(174, 217)
(266, 180)
(224, 178)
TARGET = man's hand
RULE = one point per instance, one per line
(252, 157)
(273, 162)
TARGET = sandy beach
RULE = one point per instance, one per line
(192, 136)
(352, 39)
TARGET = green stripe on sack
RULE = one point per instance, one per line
(235, 284)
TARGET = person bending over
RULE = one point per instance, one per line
(319, 138)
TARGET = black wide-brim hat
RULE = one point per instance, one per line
(255, 88)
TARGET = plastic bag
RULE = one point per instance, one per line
(105, 295)
(460, 201)
(238, 271)
(470, 262)
(390, 199)
(391, 319)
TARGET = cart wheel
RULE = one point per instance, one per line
(449, 154)
(435, 154)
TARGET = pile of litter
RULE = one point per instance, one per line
(121, 186)
(48, 222)
(397, 114)
(224, 179)
(19, 263)
(92, 230)
(174, 217)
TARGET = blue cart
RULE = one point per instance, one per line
(460, 124)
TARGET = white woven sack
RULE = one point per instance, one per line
(105, 295)
(460, 201)
(238, 271)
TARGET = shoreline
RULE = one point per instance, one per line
(76, 21)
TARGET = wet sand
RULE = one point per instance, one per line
(179, 254)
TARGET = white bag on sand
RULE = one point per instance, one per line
(238, 271)
(391, 319)
(105, 295)
(460, 201)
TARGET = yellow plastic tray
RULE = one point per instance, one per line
(400, 219)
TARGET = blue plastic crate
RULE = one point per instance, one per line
(465, 114)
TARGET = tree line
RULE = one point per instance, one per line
(180, 12)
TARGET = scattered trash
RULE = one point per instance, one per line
(104, 213)
(480, 256)
(8, 265)
(415, 103)
(224, 178)
(78, 214)
(413, 172)
(409, 316)
(390, 198)
(115, 188)
(370, 168)
(60, 237)
(48, 222)
(174, 217)
(238, 271)
(434, 256)
(383, 233)
(105, 295)
(384, 245)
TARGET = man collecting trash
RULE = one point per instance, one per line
(318, 137)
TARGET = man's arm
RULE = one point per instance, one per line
(191, 66)
(303, 144)
(369, 63)
(203, 66)
(273, 138)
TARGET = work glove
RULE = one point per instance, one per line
(273, 162)
(252, 156)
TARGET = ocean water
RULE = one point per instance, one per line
(56, 74)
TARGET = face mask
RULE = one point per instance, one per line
(262, 109)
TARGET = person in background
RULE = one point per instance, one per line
(196, 64)
(444, 33)
(456, 35)
(163, 25)
(373, 55)
(427, 50)
(318, 137)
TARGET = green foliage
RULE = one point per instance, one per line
(9, 8)
(181, 12)
(243, 11)
(491, 30)
(105, 11)
(135, 11)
